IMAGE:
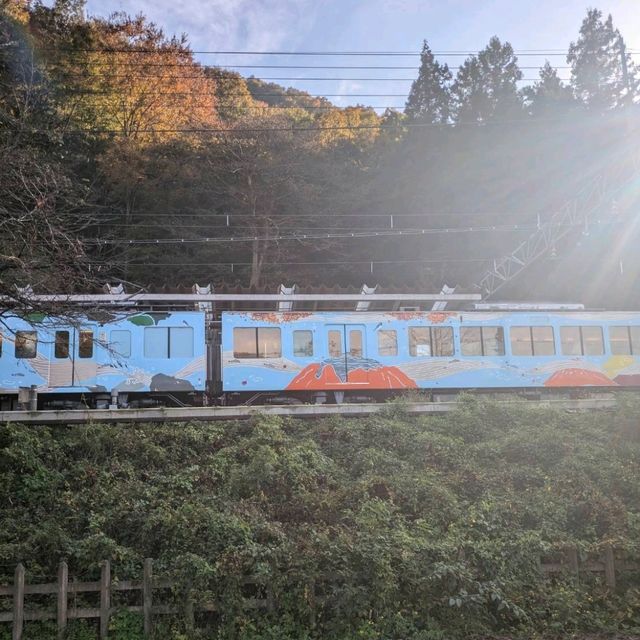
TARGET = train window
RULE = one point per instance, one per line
(592, 341)
(532, 341)
(620, 341)
(180, 342)
(256, 342)
(303, 344)
(431, 341)
(335, 343)
(61, 349)
(355, 343)
(120, 342)
(624, 341)
(571, 341)
(85, 344)
(471, 341)
(244, 343)
(156, 342)
(442, 341)
(26, 345)
(577, 341)
(0, 345)
(419, 341)
(492, 341)
(521, 342)
(388, 342)
(482, 341)
(269, 344)
(543, 341)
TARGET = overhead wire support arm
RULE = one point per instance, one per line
(593, 198)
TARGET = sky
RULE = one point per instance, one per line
(370, 25)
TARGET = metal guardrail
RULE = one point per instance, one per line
(207, 414)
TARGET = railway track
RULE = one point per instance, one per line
(207, 414)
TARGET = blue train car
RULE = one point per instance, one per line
(378, 351)
(139, 353)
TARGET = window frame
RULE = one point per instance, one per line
(431, 329)
(56, 344)
(295, 350)
(483, 353)
(257, 355)
(82, 344)
(34, 341)
(532, 341)
(112, 342)
(633, 345)
(394, 344)
(580, 328)
(168, 355)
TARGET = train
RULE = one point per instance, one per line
(178, 358)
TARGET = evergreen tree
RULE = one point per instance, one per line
(429, 96)
(549, 94)
(485, 86)
(598, 65)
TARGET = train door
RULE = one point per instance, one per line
(73, 361)
(346, 348)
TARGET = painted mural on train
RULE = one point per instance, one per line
(312, 351)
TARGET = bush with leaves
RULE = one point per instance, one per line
(391, 526)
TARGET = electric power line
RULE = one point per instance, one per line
(279, 79)
(222, 67)
(444, 53)
(215, 130)
(222, 216)
(311, 263)
(326, 236)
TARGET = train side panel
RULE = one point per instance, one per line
(144, 352)
(370, 351)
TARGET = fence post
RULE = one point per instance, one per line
(189, 616)
(18, 602)
(147, 596)
(63, 582)
(105, 598)
(572, 558)
(311, 602)
(609, 567)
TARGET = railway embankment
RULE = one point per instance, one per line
(493, 519)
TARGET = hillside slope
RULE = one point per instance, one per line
(426, 527)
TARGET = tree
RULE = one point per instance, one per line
(128, 78)
(486, 85)
(602, 75)
(45, 207)
(549, 94)
(429, 98)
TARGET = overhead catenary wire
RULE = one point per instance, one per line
(324, 236)
(222, 216)
(311, 263)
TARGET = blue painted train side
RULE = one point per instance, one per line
(368, 351)
(308, 353)
(139, 353)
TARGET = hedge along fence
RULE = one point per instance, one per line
(609, 563)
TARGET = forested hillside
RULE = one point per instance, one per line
(411, 528)
(123, 157)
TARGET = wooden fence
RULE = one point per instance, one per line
(568, 562)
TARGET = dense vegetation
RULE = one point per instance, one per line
(412, 527)
(111, 130)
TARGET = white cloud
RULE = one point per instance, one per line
(213, 25)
